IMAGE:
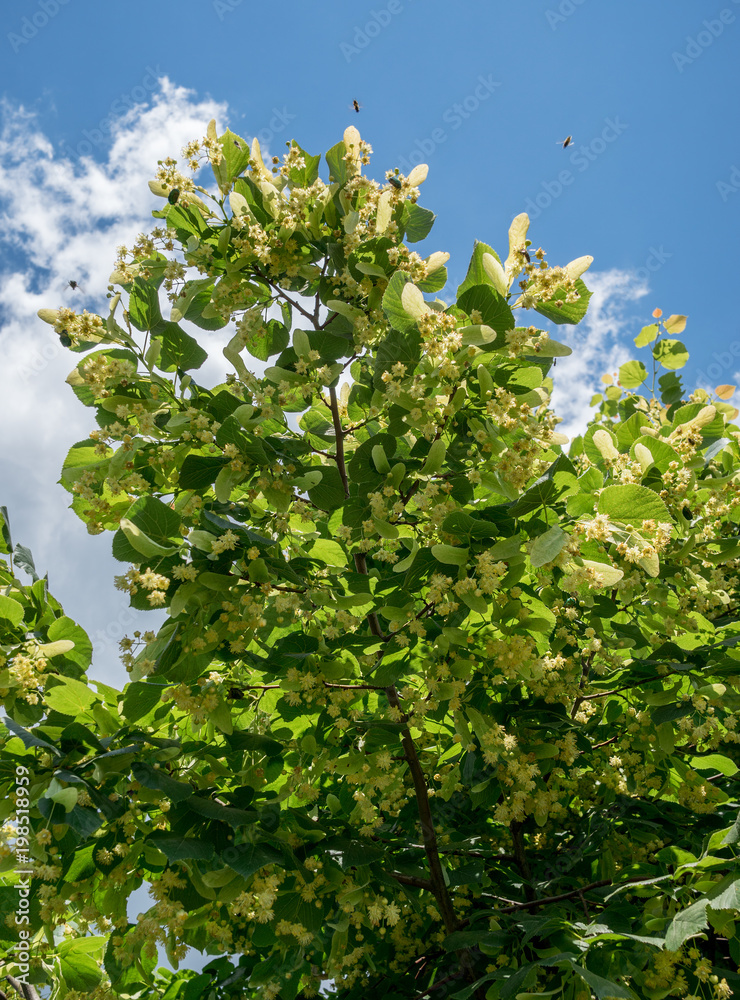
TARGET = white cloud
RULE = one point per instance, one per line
(599, 345)
(62, 220)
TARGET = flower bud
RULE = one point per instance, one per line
(495, 272)
(418, 175)
(603, 441)
(643, 456)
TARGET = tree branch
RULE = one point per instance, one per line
(427, 824)
(568, 895)
(419, 883)
(339, 435)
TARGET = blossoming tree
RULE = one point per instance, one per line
(440, 707)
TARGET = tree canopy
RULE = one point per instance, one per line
(444, 704)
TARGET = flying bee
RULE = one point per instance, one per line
(355, 106)
(74, 286)
(395, 182)
(173, 196)
(565, 142)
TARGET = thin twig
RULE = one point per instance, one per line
(419, 883)
(568, 895)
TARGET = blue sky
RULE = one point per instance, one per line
(94, 93)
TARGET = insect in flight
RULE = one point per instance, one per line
(74, 286)
(356, 106)
(565, 142)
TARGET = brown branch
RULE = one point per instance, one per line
(419, 883)
(355, 687)
(521, 858)
(361, 567)
(606, 742)
(587, 661)
(279, 291)
(568, 895)
(630, 687)
(429, 835)
(339, 435)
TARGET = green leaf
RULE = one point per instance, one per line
(329, 552)
(236, 153)
(143, 305)
(64, 629)
(30, 739)
(671, 389)
(492, 307)
(569, 312)
(392, 306)
(179, 349)
(199, 471)
(693, 920)
(647, 335)
(70, 697)
(416, 221)
(451, 555)
(336, 163)
(181, 848)
(6, 542)
(157, 778)
(715, 762)
(671, 353)
(269, 338)
(249, 858)
(477, 274)
(24, 560)
(78, 966)
(10, 610)
(158, 520)
(631, 504)
(547, 546)
(223, 814)
(264, 746)
(604, 989)
(632, 374)
(328, 495)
